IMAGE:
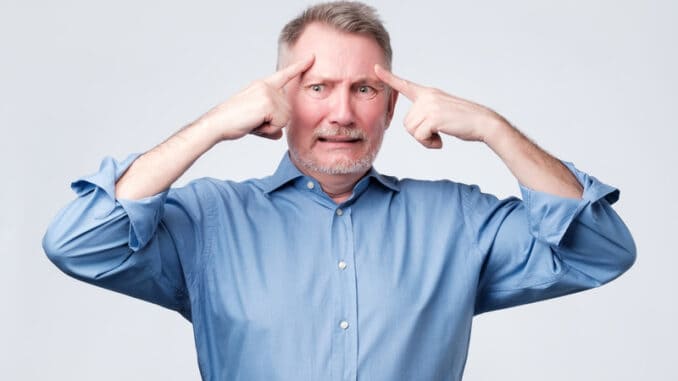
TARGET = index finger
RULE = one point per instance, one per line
(280, 78)
(403, 86)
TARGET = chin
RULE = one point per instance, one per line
(338, 166)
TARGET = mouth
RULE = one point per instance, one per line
(338, 139)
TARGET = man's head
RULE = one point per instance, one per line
(340, 109)
(345, 16)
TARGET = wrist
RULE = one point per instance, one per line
(206, 131)
(199, 136)
(496, 131)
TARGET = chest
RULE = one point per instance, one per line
(302, 262)
(310, 289)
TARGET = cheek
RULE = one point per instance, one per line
(372, 115)
(306, 112)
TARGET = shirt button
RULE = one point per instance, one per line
(342, 265)
(340, 212)
(343, 324)
(310, 185)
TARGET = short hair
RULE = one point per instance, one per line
(345, 16)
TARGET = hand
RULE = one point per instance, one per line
(260, 109)
(434, 111)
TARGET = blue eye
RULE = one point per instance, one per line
(366, 92)
(316, 90)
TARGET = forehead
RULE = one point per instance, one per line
(337, 53)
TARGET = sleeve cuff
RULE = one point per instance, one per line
(109, 172)
(550, 216)
(144, 214)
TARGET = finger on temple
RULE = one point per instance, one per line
(401, 85)
(282, 76)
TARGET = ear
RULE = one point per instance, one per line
(390, 106)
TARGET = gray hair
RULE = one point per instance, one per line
(345, 16)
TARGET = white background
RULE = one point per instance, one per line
(594, 82)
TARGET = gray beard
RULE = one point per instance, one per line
(344, 167)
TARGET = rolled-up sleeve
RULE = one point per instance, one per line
(545, 246)
(122, 245)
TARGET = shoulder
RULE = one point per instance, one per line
(446, 192)
(432, 188)
(210, 191)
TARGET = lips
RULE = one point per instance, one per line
(338, 139)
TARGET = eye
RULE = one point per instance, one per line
(366, 92)
(316, 90)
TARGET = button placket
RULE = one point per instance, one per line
(348, 314)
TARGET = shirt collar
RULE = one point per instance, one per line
(287, 172)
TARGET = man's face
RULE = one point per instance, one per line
(340, 109)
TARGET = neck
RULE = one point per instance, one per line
(338, 187)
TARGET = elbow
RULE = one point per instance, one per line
(621, 259)
(627, 257)
(86, 236)
(56, 250)
(85, 254)
(67, 253)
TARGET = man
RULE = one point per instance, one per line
(327, 269)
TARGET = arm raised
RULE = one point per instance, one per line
(260, 109)
(434, 112)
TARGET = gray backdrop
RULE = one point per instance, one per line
(594, 82)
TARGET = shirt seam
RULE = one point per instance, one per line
(552, 280)
(467, 217)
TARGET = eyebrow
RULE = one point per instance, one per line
(319, 78)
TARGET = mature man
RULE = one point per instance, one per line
(329, 270)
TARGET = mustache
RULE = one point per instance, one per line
(336, 131)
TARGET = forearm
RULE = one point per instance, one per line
(532, 166)
(261, 108)
(157, 169)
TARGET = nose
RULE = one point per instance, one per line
(341, 109)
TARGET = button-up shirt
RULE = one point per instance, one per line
(282, 283)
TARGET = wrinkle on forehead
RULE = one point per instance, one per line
(342, 66)
(338, 55)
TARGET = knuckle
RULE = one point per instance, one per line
(411, 128)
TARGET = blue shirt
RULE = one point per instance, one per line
(281, 283)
